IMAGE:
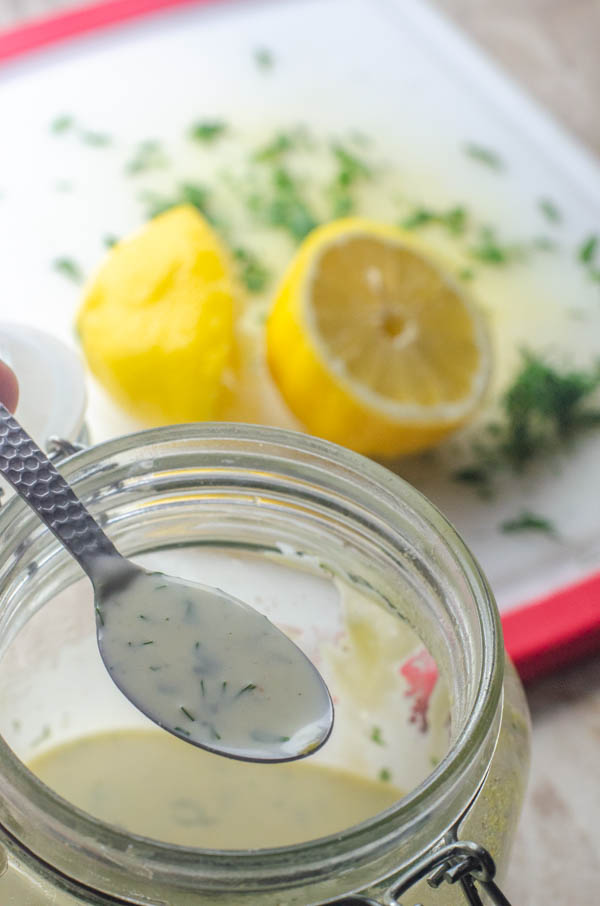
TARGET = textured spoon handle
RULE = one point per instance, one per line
(38, 482)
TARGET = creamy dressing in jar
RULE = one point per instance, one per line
(152, 784)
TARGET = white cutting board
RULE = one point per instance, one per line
(399, 72)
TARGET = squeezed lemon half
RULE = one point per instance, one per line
(157, 320)
(373, 343)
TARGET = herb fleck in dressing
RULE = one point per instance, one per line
(211, 670)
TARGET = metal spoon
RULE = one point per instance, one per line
(198, 662)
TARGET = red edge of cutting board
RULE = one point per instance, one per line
(541, 636)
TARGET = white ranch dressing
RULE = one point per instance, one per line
(212, 670)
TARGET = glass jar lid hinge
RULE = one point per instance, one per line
(463, 862)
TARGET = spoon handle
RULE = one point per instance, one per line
(41, 485)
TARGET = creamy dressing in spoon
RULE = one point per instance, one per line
(210, 669)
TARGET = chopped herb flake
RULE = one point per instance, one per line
(484, 155)
(350, 171)
(490, 250)
(253, 273)
(550, 210)
(149, 155)
(207, 130)
(376, 736)
(95, 139)
(181, 730)
(544, 411)
(249, 688)
(109, 241)
(62, 124)
(528, 522)
(68, 268)
(187, 714)
(455, 220)
(385, 775)
(587, 250)
(264, 58)
(187, 193)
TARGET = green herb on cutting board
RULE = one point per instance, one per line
(149, 155)
(69, 268)
(528, 522)
(550, 211)
(484, 155)
(253, 273)
(455, 220)
(62, 123)
(264, 58)
(544, 411)
(207, 131)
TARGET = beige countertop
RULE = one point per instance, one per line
(552, 47)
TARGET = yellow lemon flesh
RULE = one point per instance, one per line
(157, 321)
(373, 344)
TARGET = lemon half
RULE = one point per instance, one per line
(157, 321)
(373, 343)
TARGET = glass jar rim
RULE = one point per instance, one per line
(71, 825)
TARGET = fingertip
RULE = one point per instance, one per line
(9, 387)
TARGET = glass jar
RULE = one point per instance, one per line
(286, 502)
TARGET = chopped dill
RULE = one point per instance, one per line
(249, 688)
(285, 208)
(154, 669)
(207, 131)
(181, 730)
(544, 409)
(223, 687)
(376, 736)
(455, 220)
(264, 58)
(110, 240)
(99, 615)
(202, 689)
(95, 139)
(484, 155)
(588, 248)
(151, 642)
(143, 617)
(213, 730)
(253, 273)
(550, 211)
(194, 194)
(528, 522)
(385, 775)
(187, 714)
(281, 143)
(69, 268)
(466, 273)
(62, 123)
(489, 250)
(350, 170)
(148, 155)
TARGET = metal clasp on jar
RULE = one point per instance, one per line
(462, 862)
